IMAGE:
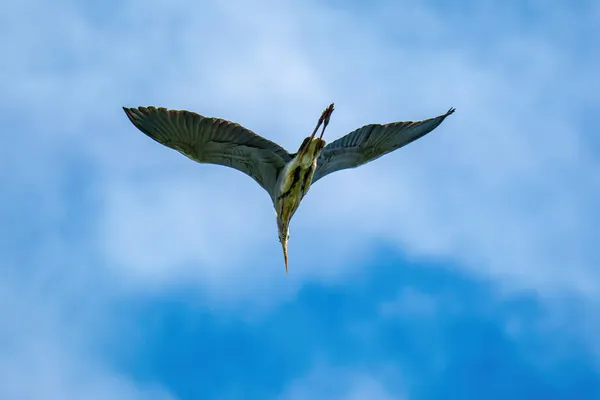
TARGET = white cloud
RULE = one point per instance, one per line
(501, 187)
(331, 383)
(44, 348)
(506, 187)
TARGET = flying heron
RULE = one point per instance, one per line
(286, 177)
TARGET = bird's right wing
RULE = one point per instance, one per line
(371, 142)
(214, 141)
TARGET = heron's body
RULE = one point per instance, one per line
(286, 177)
(293, 184)
(295, 179)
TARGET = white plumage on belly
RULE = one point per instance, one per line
(296, 176)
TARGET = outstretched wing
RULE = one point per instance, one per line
(214, 141)
(371, 142)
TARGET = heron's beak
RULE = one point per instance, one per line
(284, 245)
(283, 233)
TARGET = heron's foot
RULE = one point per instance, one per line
(318, 125)
(327, 114)
(325, 117)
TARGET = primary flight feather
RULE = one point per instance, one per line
(285, 177)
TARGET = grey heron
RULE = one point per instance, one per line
(286, 177)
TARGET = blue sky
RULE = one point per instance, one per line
(463, 266)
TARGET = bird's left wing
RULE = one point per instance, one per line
(214, 141)
(371, 142)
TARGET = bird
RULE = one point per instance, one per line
(286, 177)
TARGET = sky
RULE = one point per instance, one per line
(462, 266)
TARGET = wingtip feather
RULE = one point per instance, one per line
(129, 112)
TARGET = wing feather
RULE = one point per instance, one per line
(371, 142)
(214, 141)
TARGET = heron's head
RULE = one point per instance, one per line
(283, 232)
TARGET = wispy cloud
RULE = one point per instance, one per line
(46, 351)
(504, 191)
(326, 382)
(495, 188)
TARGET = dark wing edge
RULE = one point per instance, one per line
(371, 142)
(214, 141)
